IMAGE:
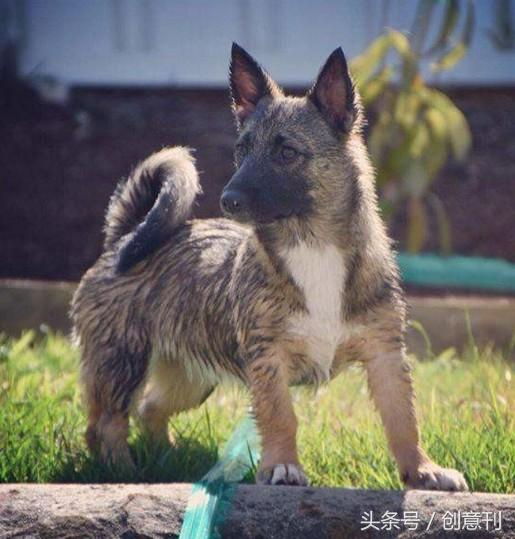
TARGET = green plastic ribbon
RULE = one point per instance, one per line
(211, 496)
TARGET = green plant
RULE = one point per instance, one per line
(417, 128)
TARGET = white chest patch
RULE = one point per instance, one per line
(320, 273)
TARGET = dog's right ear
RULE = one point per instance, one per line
(249, 84)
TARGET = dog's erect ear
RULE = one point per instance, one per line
(249, 83)
(333, 93)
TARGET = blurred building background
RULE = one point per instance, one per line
(90, 87)
(185, 43)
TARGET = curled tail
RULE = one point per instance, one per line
(147, 207)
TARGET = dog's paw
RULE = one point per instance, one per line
(118, 457)
(430, 476)
(282, 474)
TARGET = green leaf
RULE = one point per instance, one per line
(436, 122)
(438, 149)
(379, 135)
(457, 126)
(444, 224)
(365, 65)
(420, 142)
(23, 343)
(450, 58)
(401, 43)
(407, 107)
(375, 87)
(417, 225)
(456, 53)
(368, 62)
(396, 160)
(435, 158)
(409, 62)
(447, 355)
(459, 131)
(450, 19)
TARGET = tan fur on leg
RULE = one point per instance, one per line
(94, 413)
(390, 383)
(112, 433)
(277, 423)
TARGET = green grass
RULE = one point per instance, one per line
(466, 406)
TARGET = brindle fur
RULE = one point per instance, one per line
(172, 306)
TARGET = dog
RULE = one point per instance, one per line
(297, 281)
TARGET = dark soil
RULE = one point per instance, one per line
(58, 167)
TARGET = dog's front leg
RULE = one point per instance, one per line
(390, 383)
(276, 421)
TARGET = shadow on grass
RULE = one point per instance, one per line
(186, 461)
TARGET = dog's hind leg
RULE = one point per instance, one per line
(169, 391)
(111, 377)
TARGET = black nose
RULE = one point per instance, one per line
(234, 202)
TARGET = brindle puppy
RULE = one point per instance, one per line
(304, 284)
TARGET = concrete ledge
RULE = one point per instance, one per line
(59, 511)
(28, 304)
(491, 319)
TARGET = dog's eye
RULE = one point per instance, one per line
(288, 153)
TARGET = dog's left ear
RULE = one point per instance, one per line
(249, 84)
(333, 93)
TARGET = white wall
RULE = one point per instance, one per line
(187, 42)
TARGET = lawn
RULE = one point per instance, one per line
(466, 405)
